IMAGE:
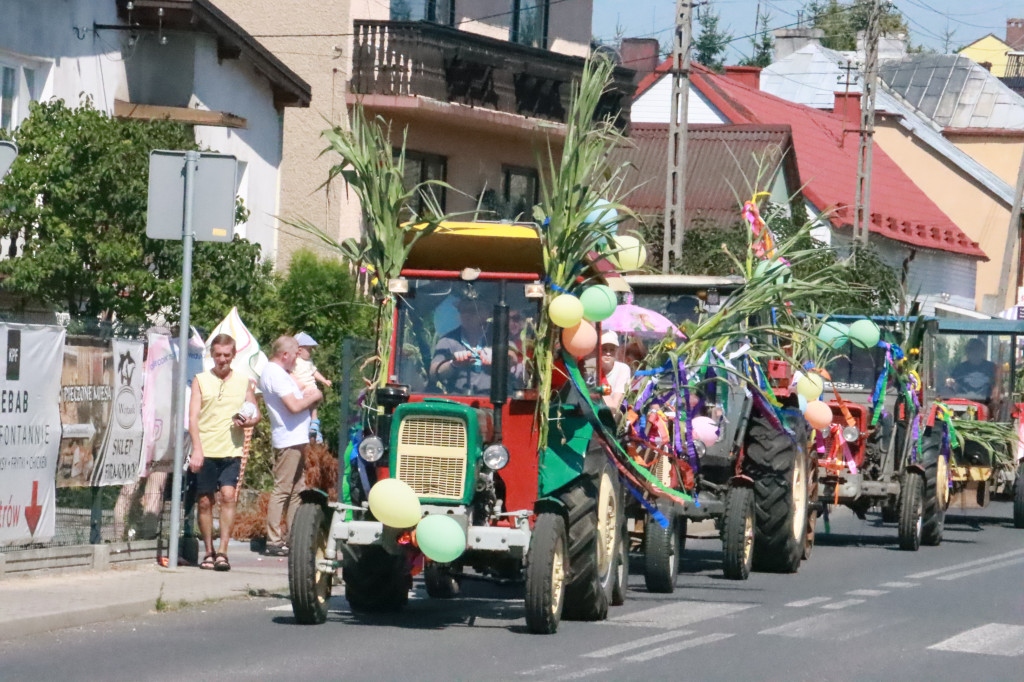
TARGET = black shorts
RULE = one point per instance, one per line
(217, 473)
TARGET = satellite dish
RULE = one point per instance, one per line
(8, 153)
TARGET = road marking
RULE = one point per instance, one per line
(678, 614)
(899, 584)
(679, 646)
(967, 564)
(282, 607)
(843, 604)
(827, 627)
(808, 602)
(867, 593)
(583, 673)
(994, 639)
(636, 644)
(542, 669)
(982, 569)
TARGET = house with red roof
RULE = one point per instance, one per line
(908, 229)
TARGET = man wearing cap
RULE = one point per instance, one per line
(616, 374)
(306, 375)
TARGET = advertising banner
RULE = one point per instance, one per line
(86, 393)
(118, 456)
(157, 397)
(29, 431)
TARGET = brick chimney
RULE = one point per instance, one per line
(747, 75)
(639, 54)
(789, 40)
(847, 107)
(1015, 33)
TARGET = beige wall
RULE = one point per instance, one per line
(999, 154)
(980, 214)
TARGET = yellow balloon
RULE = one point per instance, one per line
(629, 253)
(810, 386)
(394, 503)
(565, 310)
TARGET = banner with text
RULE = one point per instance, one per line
(157, 402)
(29, 431)
(118, 457)
(86, 393)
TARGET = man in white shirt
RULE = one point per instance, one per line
(289, 434)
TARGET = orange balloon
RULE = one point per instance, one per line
(818, 414)
(580, 340)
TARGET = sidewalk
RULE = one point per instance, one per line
(36, 604)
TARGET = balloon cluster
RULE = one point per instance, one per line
(576, 315)
(395, 504)
(832, 334)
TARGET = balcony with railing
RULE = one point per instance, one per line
(421, 59)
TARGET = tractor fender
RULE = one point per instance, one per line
(915, 468)
(742, 480)
(549, 504)
(314, 496)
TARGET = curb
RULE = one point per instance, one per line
(46, 622)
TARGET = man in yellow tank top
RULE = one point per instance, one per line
(223, 404)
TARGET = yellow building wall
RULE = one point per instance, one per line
(999, 153)
(980, 214)
(989, 49)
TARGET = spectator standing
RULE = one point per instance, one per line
(289, 408)
(306, 374)
(221, 405)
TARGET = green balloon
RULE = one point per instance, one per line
(772, 268)
(440, 538)
(865, 334)
(599, 303)
(833, 334)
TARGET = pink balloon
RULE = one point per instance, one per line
(818, 414)
(705, 430)
(580, 340)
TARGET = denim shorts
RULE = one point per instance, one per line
(217, 473)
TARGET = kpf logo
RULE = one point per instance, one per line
(13, 354)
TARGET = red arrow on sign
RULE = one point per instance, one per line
(34, 510)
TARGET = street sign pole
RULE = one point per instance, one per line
(191, 160)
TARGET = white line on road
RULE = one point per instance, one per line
(899, 584)
(808, 602)
(967, 564)
(637, 644)
(679, 646)
(843, 604)
(282, 607)
(581, 674)
(994, 639)
(543, 669)
(678, 614)
(867, 593)
(982, 569)
(827, 627)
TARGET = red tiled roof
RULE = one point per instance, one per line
(827, 159)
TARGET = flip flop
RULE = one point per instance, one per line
(209, 562)
(221, 563)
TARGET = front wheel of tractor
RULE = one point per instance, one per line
(547, 568)
(738, 533)
(308, 582)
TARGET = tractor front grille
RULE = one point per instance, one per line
(432, 456)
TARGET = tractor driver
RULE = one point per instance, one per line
(975, 378)
(462, 359)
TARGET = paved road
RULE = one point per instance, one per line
(860, 609)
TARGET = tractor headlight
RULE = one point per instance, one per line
(371, 449)
(851, 434)
(700, 448)
(495, 456)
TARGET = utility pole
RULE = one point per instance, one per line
(862, 214)
(1012, 240)
(675, 184)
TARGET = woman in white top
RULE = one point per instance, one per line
(616, 374)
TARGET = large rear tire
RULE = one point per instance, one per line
(935, 496)
(662, 551)
(812, 506)
(547, 568)
(595, 516)
(621, 585)
(911, 508)
(377, 581)
(1018, 498)
(777, 463)
(308, 584)
(738, 533)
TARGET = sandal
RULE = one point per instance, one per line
(221, 563)
(209, 562)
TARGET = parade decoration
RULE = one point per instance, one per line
(864, 334)
(833, 334)
(810, 386)
(565, 311)
(818, 414)
(630, 254)
(633, 319)
(705, 430)
(603, 211)
(394, 503)
(778, 269)
(598, 302)
(440, 538)
(580, 340)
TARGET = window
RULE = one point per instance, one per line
(530, 23)
(420, 167)
(519, 187)
(17, 89)
(437, 11)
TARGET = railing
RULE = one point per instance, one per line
(428, 60)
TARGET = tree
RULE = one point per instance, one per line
(75, 199)
(710, 45)
(842, 21)
(762, 45)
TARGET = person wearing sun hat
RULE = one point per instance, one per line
(616, 374)
(306, 374)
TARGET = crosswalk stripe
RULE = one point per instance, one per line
(542, 669)
(637, 644)
(582, 673)
(829, 627)
(842, 604)
(867, 593)
(282, 607)
(966, 564)
(678, 614)
(899, 584)
(809, 602)
(994, 639)
(982, 569)
(678, 646)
